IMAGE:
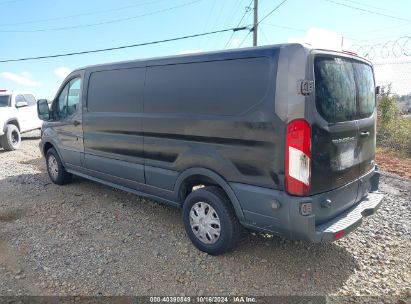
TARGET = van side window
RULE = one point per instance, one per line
(116, 91)
(69, 99)
(225, 87)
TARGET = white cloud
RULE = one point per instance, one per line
(62, 72)
(235, 43)
(323, 39)
(191, 51)
(23, 78)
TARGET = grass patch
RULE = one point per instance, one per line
(393, 128)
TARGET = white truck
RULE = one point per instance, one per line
(18, 114)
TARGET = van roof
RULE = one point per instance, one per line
(305, 46)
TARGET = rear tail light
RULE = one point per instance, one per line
(339, 234)
(298, 158)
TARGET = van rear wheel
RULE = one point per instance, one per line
(55, 168)
(11, 139)
(210, 221)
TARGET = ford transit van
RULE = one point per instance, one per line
(278, 139)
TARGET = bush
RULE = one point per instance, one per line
(393, 128)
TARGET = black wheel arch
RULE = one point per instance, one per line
(203, 176)
(47, 145)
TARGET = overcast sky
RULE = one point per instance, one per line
(44, 27)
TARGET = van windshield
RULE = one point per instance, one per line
(4, 100)
(344, 89)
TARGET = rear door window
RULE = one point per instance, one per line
(344, 89)
(335, 89)
(366, 90)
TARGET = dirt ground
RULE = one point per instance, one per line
(88, 239)
(391, 162)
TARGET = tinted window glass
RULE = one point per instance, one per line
(335, 89)
(344, 89)
(73, 98)
(69, 99)
(30, 99)
(4, 100)
(62, 102)
(227, 87)
(366, 89)
(116, 91)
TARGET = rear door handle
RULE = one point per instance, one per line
(76, 123)
(364, 134)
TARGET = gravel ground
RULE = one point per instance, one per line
(89, 239)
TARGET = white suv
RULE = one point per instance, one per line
(18, 114)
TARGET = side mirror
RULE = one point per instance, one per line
(20, 104)
(377, 90)
(43, 110)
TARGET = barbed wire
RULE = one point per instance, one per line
(390, 49)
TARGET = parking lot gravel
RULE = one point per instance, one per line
(90, 239)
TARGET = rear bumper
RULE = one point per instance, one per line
(277, 212)
(348, 220)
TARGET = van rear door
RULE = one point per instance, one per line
(343, 131)
(367, 118)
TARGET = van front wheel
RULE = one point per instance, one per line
(210, 221)
(55, 168)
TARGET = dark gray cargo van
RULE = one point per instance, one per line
(279, 139)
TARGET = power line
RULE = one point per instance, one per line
(265, 17)
(368, 11)
(102, 23)
(275, 8)
(234, 10)
(367, 5)
(382, 29)
(208, 21)
(247, 10)
(82, 14)
(125, 46)
(265, 36)
(245, 38)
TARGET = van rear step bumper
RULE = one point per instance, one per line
(348, 220)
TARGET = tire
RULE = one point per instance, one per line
(11, 139)
(217, 233)
(55, 168)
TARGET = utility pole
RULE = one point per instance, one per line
(255, 23)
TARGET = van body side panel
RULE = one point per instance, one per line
(217, 115)
(113, 123)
